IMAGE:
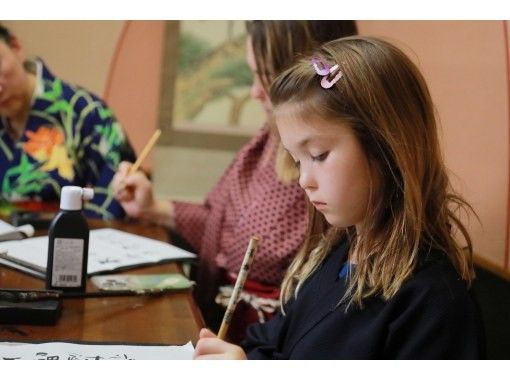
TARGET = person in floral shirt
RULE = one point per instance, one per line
(54, 134)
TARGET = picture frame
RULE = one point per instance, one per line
(205, 89)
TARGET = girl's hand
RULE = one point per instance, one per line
(210, 346)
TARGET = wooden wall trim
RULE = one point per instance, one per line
(507, 59)
(491, 267)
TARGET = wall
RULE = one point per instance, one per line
(464, 63)
(78, 51)
(133, 88)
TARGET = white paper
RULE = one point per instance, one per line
(23, 268)
(109, 249)
(9, 232)
(74, 351)
(5, 227)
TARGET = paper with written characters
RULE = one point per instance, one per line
(73, 351)
(109, 249)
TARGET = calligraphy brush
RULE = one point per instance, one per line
(27, 295)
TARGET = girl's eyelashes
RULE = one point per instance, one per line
(320, 157)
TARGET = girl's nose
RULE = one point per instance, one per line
(306, 180)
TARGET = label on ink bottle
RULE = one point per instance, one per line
(67, 262)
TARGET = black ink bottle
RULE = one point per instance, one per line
(68, 245)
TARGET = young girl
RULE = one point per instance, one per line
(251, 196)
(387, 278)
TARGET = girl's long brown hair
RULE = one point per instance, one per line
(412, 209)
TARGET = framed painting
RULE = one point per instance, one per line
(205, 98)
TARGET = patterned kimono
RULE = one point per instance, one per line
(71, 138)
(248, 200)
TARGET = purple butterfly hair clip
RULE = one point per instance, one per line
(325, 70)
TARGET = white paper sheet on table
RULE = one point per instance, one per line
(109, 250)
(75, 351)
(10, 232)
(5, 227)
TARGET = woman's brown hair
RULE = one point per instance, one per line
(277, 44)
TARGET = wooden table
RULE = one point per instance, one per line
(167, 319)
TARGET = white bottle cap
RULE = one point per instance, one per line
(71, 197)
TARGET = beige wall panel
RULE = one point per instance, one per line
(78, 51)
(134, 86)
(464, 65)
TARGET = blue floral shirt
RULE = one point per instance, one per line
(71, 138)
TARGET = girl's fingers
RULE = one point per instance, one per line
(206, 333)
(215, 348)
(210, 357)
(206, 346)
